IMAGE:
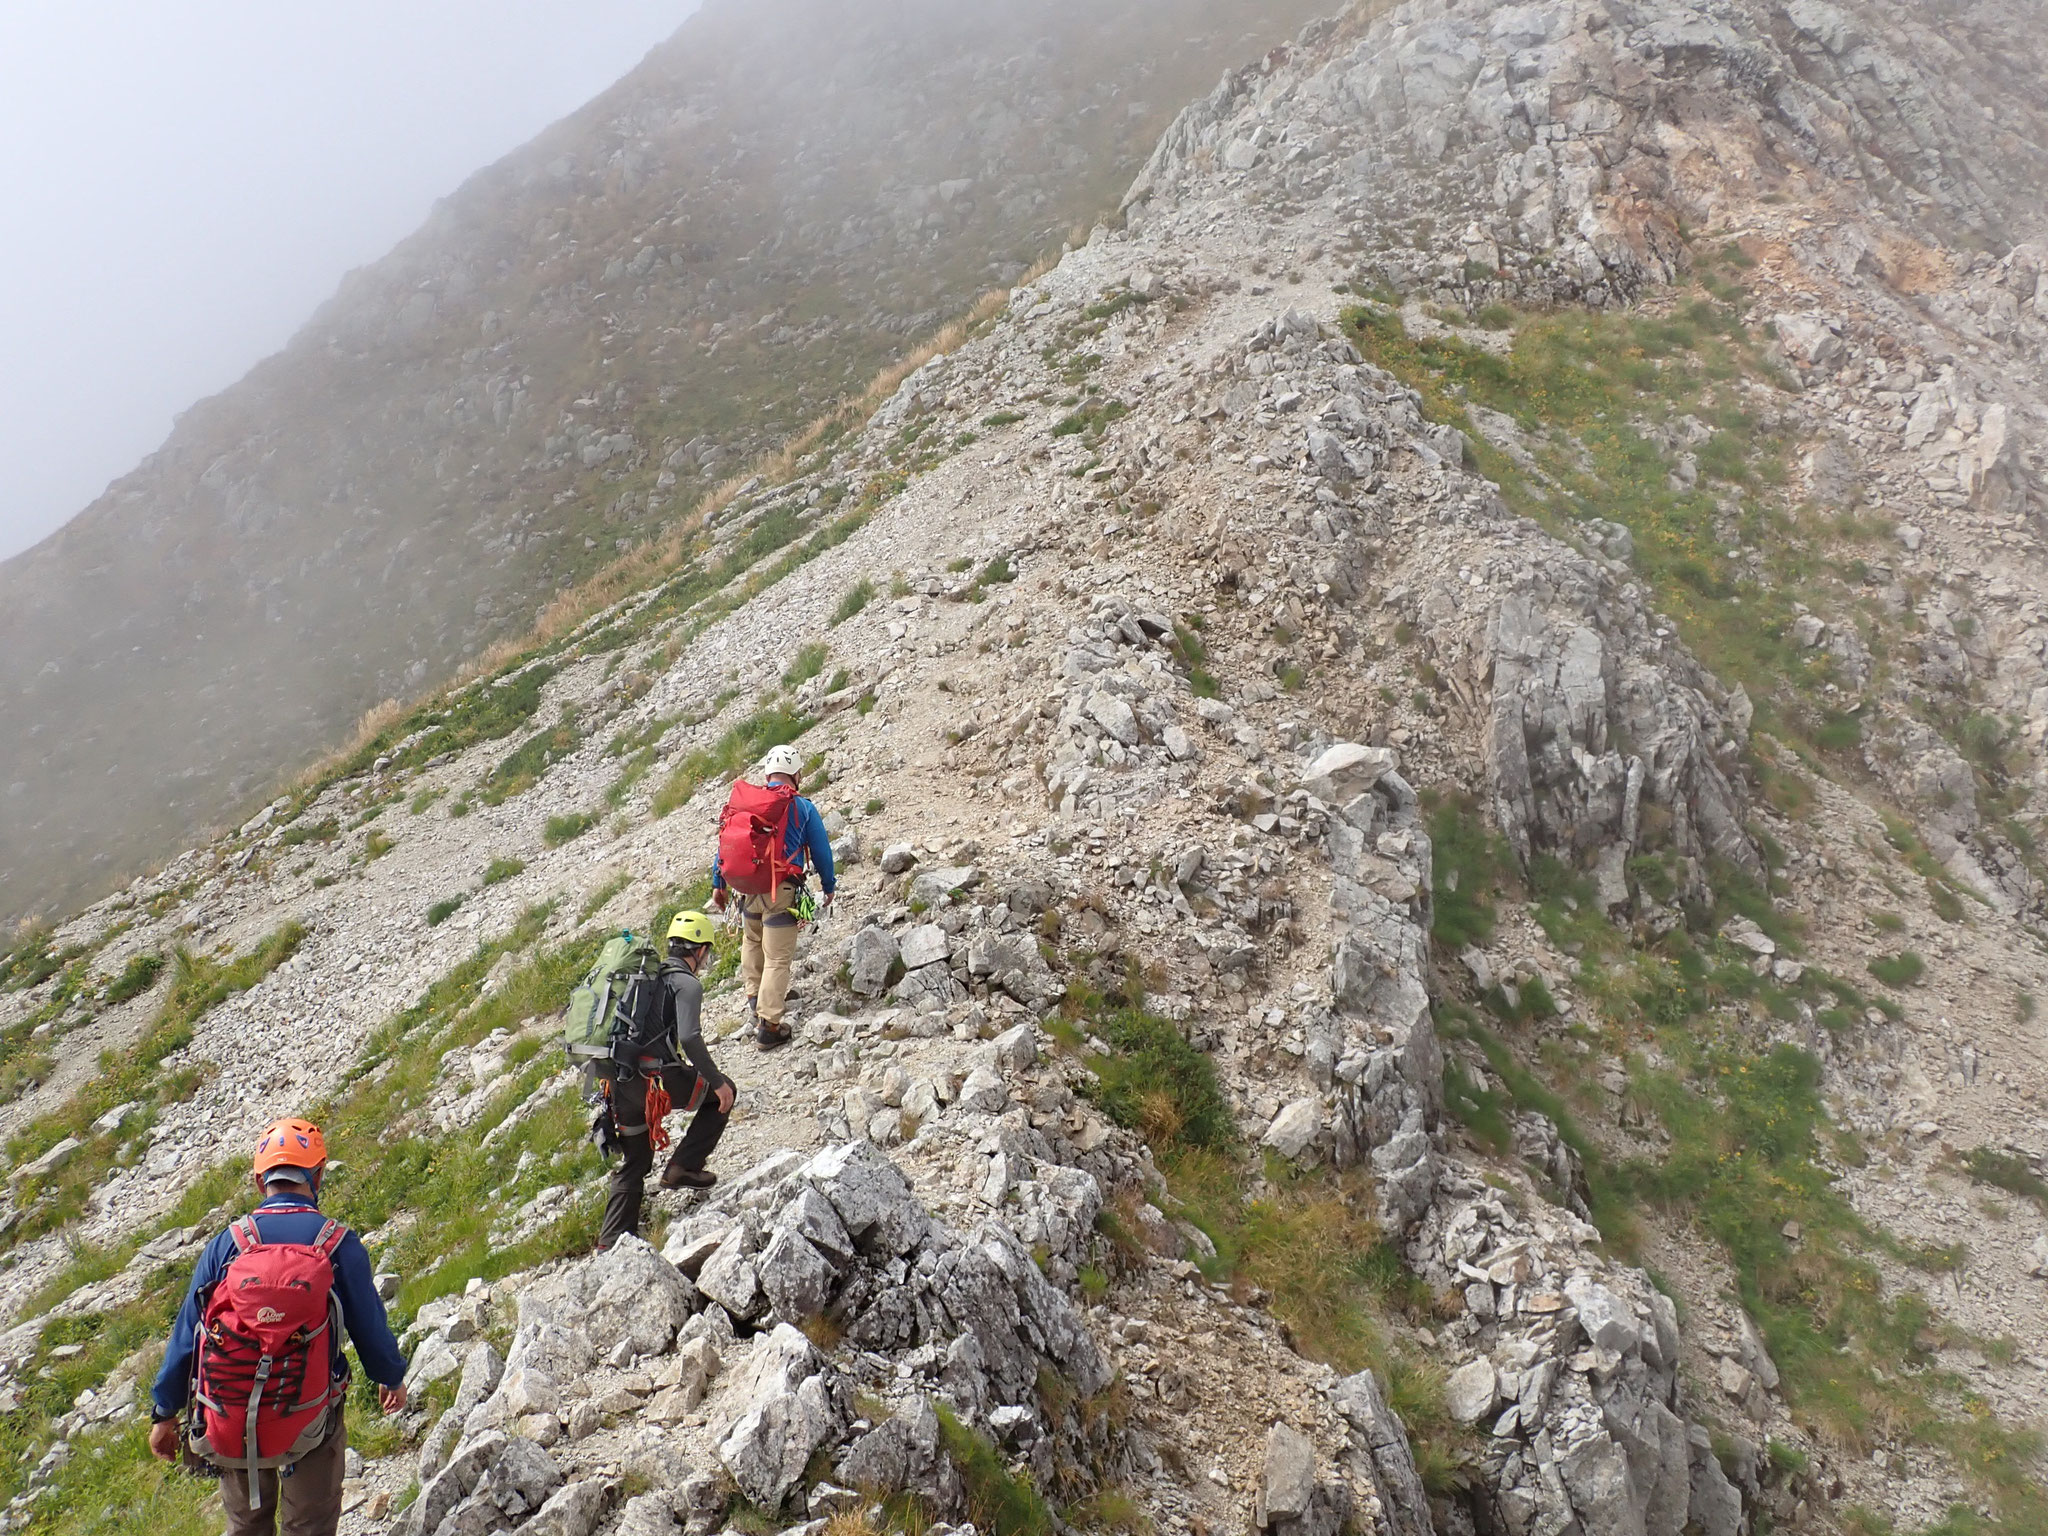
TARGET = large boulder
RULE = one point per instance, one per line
(873, 1199)
(573, 1510)
(788, 1409)
(634, 1293)
(869, 955)
(904, 1454)
(450, 1486)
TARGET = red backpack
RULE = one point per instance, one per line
(753, 836)
(263, 1375)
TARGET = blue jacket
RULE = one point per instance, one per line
(286, 1218)
(805, 839)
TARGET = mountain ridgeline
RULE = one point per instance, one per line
(583, 339)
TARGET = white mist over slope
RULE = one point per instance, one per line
(183, 184)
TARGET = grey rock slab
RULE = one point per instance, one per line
(869, 955)
(796, 1278)
(1473, 1391)
(1609, 1322)
(872, 1197)
(521, 1480)
(898, 857)
(1017, 1048)
(1294, 1128)
(983, 1093)
(649, 1514)
(1289, 1483)
(904, 1454)
(789, 1411)
(450, 1486)
(1381, 1442)
(813, 1218)
(1115, 717)
(691, 1243)
(1603, 1492)
(1716, 1503)
(926, 944)
(49, 1162)
(1347, 770)
(730, 1278)
(936, 886)
(636, 1294)
(573, 1510)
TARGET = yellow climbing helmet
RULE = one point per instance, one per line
(691, 928)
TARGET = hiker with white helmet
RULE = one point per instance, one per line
(766, 837)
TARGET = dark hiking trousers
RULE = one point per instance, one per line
(308, 1497)
(692, 1151)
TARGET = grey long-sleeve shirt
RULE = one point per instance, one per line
(686, 1006)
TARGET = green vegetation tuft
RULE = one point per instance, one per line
(135, 1077)
(2009, 1172)
(299, 834)
(442, 910)
(998, 1500)
(1901, 970)
(500, 870)
(857, 597)
(809, 662)
(1471, 865)
(567, 828)
(601, 898)
(529, 763)
(1158, 1084)
(136, 978)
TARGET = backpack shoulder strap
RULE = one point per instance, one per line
(330, 1237)
(246, 1233)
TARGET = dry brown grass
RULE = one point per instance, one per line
(822, 1331)
(375, 721)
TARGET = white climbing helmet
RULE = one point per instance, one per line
(783, 759)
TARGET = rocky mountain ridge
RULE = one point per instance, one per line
(1427, 938)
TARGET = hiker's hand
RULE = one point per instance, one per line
(727, 1095)
(718, 899)
(163, 1440)
(825, 905)
(391, 1399)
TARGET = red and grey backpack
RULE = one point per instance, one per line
(753, 839)
(262, 1375)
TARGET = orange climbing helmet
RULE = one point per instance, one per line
(290, 1143)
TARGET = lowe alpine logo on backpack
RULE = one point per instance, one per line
(261, 1374)
(753, 839)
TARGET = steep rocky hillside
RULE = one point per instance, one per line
(580, 341)
(1435, 747)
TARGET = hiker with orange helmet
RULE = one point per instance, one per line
(259, 1358)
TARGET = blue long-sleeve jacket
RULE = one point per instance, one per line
(286, 1218)
(805, 839)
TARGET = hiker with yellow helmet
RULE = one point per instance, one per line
(673, 1067)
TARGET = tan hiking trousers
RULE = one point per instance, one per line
(767, 949)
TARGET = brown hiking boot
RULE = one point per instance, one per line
(673, 1177)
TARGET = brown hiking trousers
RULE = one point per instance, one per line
(308, 1498)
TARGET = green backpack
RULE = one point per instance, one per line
(587, 1027)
